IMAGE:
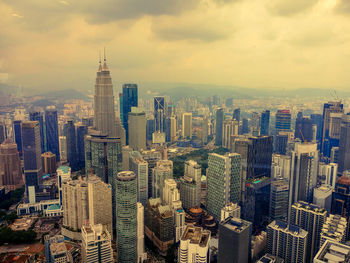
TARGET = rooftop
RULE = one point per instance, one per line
(333, 252)
(288, 228)
(196, 235)
(236, 224)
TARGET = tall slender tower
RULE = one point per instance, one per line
(104, 119)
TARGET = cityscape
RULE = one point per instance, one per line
(163, 168)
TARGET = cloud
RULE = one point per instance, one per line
(289, 7)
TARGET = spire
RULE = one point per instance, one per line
(99, 66)
(105, 68)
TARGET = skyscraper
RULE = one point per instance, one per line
(140, 167)
(279, 200)
(219, 126)
(129, 100)
(234, 240)
(51, 125)
(317, 120)
(283, 120)
(39, 116)
(344, 145)
(48, 161)
(2, 132)
(163, 170)
(190, 185)
(71, 145)
(126, 207)
(159, 113)
(141, 255)
(237, 114)
(10, 166)
(104, 110)
(303, 129)
(17, 128)
(137, 129)
(223, 181)
(31, 153)
(341, 199)
(187, 125)
(81, 131)
(265, 122)
(170, 129)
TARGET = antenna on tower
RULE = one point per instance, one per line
(99, 56)
(104, 53)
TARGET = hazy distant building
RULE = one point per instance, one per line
(237, 114)
(344, 144)
(265, 122)
(49, 163)
(187, 125)
(51, 128)
(17, 128)
(219, 126)
(283, 121)
(137, 129)
(39, 116)
(170, 129)
(2, 132)
(129, 100)
(159, 114)
(304, 129)
(81, 132)
(63, 148)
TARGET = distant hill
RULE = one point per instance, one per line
(68, 94)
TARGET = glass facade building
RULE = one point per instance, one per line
(52, 140)
(129, 99)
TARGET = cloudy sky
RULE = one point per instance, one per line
(251, 43)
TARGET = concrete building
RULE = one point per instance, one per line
(230, 128)
(333, 252)
(230, 210)
(63, 148)
(334, 229)
(280, 166)
(56, 250)
(234, 241)
(140, 167)
(194, 245)
(163, 170)
(151, 157)
(323, 197)
(190, 185)
(49, 163)
(137, 129)
(96, 245)
(141, 254)
(327, 174)
(126, 207)
(187, 125)
(287, 241)
(63, 176)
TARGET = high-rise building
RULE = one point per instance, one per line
(129, 100)
(151, 157)
(304, 129)
(334, 229)
(190, 185)
(150, 128)
(2, 132)
(303, 172)
(334, 155)
(39, 116)
(323, 197)
(234, 240)
(245, 126)
(332, 251)
(255, 124)
(237, 114)
(31, 153)
(265, 122)
(137, 129)
(341, 199)
(287, 241)
(230, 210)
(81, 132)
(223, 181)
(71, 145)
(63, 148)
(332, 113)
(140, 167)
(48, 160)
(344, 144)
(219, 126)
(63, 176)
(187, 125)
(51, 128)
(17, 128)
(194, 245)
(283, 121)
(230, 128)
(10, 166)
(100, 203)
(311, 218)
(126, 207)
(279, 200)
(56, 250)
(170, 129)
(163, 170)
(104, 110)
(327, 173)
(141, 254)
(317, 120)
(159, 114)
(96, 246)
(280, 166)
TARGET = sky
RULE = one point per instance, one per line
(55, 44)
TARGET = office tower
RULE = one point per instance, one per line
(140, 167)
(230, 210)
(179, 223)
(48, 161)
(194, 245)
(150, 128)
(170, 129)
(205, 130)
(190, 185)
(129, 100)
(137, 129)
(255, 124)
(265, 122)
(323, 197)
(280, 166)
(71, 145)
(279, 200)
(187, 125)
(159, 114)
(332, 251)
(237, 114)
(75, 206)
(141, 254)
(2, 132)
(31, 153)
(39, 116)
(223, 181)
(219, 126)
(159, 224)
(81, 131)
(341, 199)
(331, 124)
(56, 250)
(327, 173)
(96, 246)
(151, 157)
(126, 150)
(245, 126)
(51, 128)
(171, 195)
(283, 121)
(63, 148)
(163, 170)
(334, 155)
(344, 145)
(281, 143)
(311, 218)
(10, 166)
(120, 131)
(334, 229)
(63, 176)
(126, 207)
(287, 241)
(318, 121)
(303, 129)
(230, 128)
(234, 240)
(17, 128)
(303, 172)
(100, 203)
(104, 110)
